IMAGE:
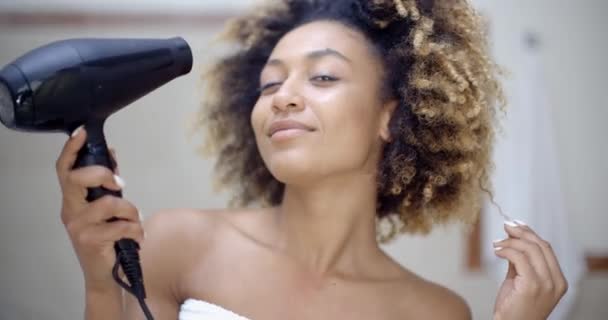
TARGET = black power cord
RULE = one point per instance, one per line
(127, 257)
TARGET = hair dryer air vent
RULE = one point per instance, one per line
(7, 108)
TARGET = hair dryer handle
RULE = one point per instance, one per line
(96, 154)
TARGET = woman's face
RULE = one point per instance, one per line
(320, 112)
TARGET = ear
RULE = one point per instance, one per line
(385, 118)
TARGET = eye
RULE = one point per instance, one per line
(324, 78)
(267, 86)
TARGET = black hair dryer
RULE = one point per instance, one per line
(65, 84)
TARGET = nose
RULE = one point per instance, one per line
(287, 98)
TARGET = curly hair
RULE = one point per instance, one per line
(436, 166)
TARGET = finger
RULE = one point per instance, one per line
(523, 231)
(93, 177)
(511, 272)
(77, 181)
(69, 153)
(530, 235)
(108, 207)
(535, 257)
(518, 259)
(100, 211)
(125, 230)
(114, 160)
(112, 232)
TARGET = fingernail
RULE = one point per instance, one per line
(141, 219)
(77, 131)
(120, 182)
(498, 240)
(511, 223)
(497, 248)
(521, 223)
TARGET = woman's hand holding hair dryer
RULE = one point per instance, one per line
(91, 234)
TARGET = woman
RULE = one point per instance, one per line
(370, 118)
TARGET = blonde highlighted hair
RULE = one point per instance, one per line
(438, 66)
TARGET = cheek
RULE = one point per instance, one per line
(347, 141)
(350, 123)
(351, 139)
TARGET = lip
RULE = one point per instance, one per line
(287, 125)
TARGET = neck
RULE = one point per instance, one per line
(330, 227)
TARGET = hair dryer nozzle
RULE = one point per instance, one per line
(64, 84)
(182, 55)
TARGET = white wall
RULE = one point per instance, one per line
(41, 277)
(574, 46)
(190, 6)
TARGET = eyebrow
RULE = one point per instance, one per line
(314, 55)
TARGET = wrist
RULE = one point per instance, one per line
(102, 290)
(497, 316)
(103, 303)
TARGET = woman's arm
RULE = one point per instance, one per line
(158, 269)
(103, 304)
(174, 240)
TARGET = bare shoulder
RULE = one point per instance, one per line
(174, 240)
(183, 230)
(180, 224)
(183, 234)
(433, 301)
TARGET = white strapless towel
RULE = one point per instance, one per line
(193, 309)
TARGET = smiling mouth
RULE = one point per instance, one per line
(287, 129)
(288, 133)
(284, 125)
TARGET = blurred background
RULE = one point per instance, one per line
(551, 158)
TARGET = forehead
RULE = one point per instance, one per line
(322, 35)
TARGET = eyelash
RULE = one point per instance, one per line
(272, 84)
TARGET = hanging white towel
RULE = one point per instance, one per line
(193, 309)
(526, 180)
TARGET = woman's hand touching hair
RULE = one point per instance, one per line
(534, 283)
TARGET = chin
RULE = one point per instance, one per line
(292, 169)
